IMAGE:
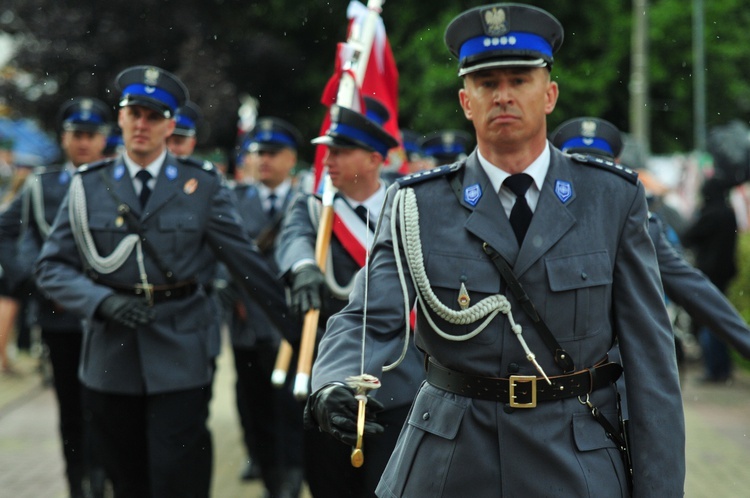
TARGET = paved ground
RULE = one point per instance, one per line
(718, 441)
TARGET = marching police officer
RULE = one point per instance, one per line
(273, 428)
(183, 139)
(357, 145)
(526, 265)
(683, 284)
(132, 250)
(84, 123)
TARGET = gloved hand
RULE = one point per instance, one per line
(334, 409)
(129, 311)
(308, 284)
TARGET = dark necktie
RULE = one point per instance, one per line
(144, 176)
(362, 213)
(271, 205)
(520, 215)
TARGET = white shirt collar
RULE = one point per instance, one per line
(281, 190)
(536, 170)
(153, 168)
(372, 203)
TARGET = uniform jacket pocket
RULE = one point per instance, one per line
(580, 298)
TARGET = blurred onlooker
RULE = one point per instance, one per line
(713, 239)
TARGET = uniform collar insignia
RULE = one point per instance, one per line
(472, 194)
(171, 172)
(119, 172)
(563, 190)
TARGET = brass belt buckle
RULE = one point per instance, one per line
(512, 390)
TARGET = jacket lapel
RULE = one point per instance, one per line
(487, 220)
(552, 218)
(122, 185)
(170, 179)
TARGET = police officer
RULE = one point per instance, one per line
(517, 401)
(683, 284)
(446, 146)
(132, 251)
(273, 430)
(183, 139)
(357, 145)
(84, 123)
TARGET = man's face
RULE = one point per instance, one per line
(144, 132)
(83, 147)
(346, 166)
(274, 166)
(508, 106)
(180, 145)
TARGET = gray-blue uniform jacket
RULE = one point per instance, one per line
(24, 226)
(589, 267)
(297, 242)
(191, 220)
(245, 333)
(691, 289)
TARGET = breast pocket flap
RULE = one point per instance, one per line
(579, 271)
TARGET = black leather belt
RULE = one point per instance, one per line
(156, 293)
(523, 391)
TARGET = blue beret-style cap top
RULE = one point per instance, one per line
(85, 114)
(350, 129)
(186, 119)
(588, 135)
(152, 87)
(503, 35)
(271, 134)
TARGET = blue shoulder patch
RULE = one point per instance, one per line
(94, 166)
(607, 165)
(429, 174)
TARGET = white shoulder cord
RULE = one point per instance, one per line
(37, 206)
(338, 291)
(79, 224)
(406, 210)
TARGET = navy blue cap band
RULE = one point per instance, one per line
(184, 121)
(374, 116)
(356, 134)
(274, 137)
(509, 41)
(453, 149)
(587, 143)
(84, 117)
(151, 92)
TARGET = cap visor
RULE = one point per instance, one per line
(502, 63)
(146, 102)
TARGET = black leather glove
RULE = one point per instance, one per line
(334, 409)
(129, 311)
(308, 284)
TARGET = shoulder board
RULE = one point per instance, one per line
(608, 165)
(197, 163)
(94, 166)
(429, 174)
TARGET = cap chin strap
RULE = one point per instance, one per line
(504, 63)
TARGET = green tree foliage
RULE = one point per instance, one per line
(282, 51)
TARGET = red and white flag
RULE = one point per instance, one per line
(380, 80)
